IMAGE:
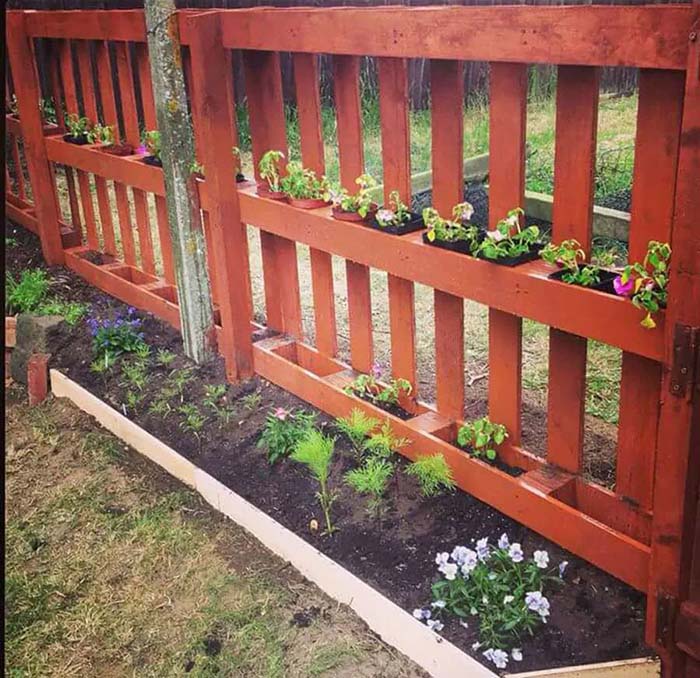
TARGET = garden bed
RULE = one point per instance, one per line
(594, 617)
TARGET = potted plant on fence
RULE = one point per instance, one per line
(269, 168)
(457, 234)
(240, 177)
(357, 207)
(78, 129)
(509, 244)
(646, 283)
(104, 135)
(150, 145)
(570, 258)
(395, 217)
(303, 188)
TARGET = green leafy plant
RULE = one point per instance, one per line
(251, 401)
(213, 397)
(433, 473)
(283, 430)
(164, 357)
(646, 283)
(481, 437)
(357, 426)
(113, 336)
(10, 242)
(367, 386)
(269, 168)
(78, 126)
(301, 183)
(151, 142)
(455, 230)
(570, 256)
(498, 585)
(160, 407)
(27, 294)
(360, 202)
(193, 421)
(394, 212)
(48, 110)
(134, 373)
(175, 386)
(508, 239)
(315, 451)
(72, 311)
(384, 443)
(101, 134)
(372, 479)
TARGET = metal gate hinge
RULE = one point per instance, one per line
(685, 367)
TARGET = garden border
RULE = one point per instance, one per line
(393, 625)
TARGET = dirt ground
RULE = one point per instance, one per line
(113, 569)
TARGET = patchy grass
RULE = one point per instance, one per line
(112, 568)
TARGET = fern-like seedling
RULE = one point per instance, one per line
(384, 443)
(433, 474)
(372, 479)
(357, 426)
(315, 451)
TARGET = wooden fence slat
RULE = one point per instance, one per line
(143, 70)
(212, 115)
(396, 160)
(346, 78)
(308, 96)
(71, 100)
(16, 161)
(447, 94)
(90, 104)
(21, 58)
(677, 468)
(574, 185)
(166, 245)
(653, 190)
(268, 131)
(508, 105)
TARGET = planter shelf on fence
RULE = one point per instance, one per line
(643, 530)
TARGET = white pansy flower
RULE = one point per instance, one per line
(495, 235)
(503, 542)
(449, 570)
(439, 604)
(435, 625)
(476, 646)
(562, 566)
(515, 552)
(498, 657)
(459, 554)
(541, 559)
(442, 558)
(517, 654)
(482, 548)
(508, 599)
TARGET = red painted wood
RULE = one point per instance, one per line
(211, 111)
(19, 49)
(447, 94)
(38, 377)
(574, 163)
(396, 161)
(308, 97)
(346, 78)
(508, 103)
(653, 191)
(166, 246)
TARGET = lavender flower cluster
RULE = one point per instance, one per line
(117, 334)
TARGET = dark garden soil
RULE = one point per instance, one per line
(594, 617)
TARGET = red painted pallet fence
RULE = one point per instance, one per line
(642, 531)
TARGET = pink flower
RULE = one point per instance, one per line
(623, 289)
(142, 150)
(281, 413)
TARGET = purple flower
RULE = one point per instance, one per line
(142, 150)
(623, 289)
(376, 371)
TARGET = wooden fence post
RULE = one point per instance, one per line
(212, 112)
(677, 463)
(21, 54)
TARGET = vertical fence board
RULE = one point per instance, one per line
(346, 78)
(71, 101)
(447, 94)
(268, 131)
(87, 86)
(396, 159)
(653, 191)
(308, 95)
(508, 105)
(211, 112)
(166, 245)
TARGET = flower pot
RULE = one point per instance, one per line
(80, 140)
(307, 203)
(152, 160)
(605, 284)
(117, 149)
(415, 223)
(531, 255)
(264, 192)
(459, 246)
(343, 215)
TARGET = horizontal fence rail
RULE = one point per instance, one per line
(619, 530)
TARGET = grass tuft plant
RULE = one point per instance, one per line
(384, 443)
(315, 451)
(371, 478)
(26, 294)
(433, 473)
(357, 426)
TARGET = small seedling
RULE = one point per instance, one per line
(456, 230)
(77, 126)
(433, 474)
(283, 430)
(177, 381)
(481, 437)
(71, 311)
(165, 357)
(570, 256)
(367, 386)
(315, 451)
(101, 134)
(151, 143)
(371, 478)
(384, 443)
(194, 420)
(301, 183)
(394, 213)
(252, 401)
(160, 407)
(361, 202)
(214, 394)
(269, 168)
(508, 239)
(103, 364)
(10, 242)
(357, 427)
(134, 373)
